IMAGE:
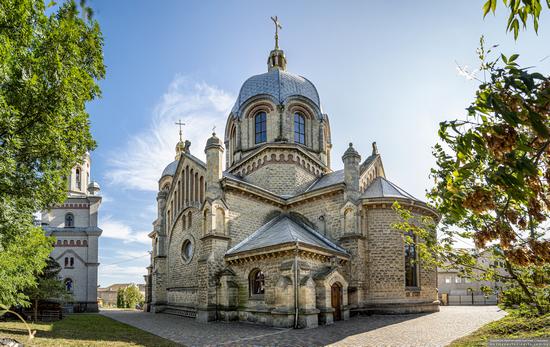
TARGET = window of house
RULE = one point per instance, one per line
(72, 262)
(411, 266)
(187, 251)
(69, 220)
(257, 282)
(299, 129)
(68, 284)
(448, 279)
(261, 128)
(66, 261)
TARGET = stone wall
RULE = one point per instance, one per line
(282, 179)
(386, 260)
(246, 215)
(327, 207)
(182, 273)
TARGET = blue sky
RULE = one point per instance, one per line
(386, 71)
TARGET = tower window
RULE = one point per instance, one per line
(69, 220)
(411, 266)
(257, 282)
(299, 129)
(78, 179)
(261, 133)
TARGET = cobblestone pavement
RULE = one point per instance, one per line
(436, 329)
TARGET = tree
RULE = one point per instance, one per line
(120, 298)
(520, 10)
(49, 286)
(49, 67)
(132, 296)
(492, 183)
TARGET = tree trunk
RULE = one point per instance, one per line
(523, 287)
(35, 313)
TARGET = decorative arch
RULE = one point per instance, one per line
(69, 220)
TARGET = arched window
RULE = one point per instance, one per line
(68, 284)
(78, 178)
(299, 129)
(187, 251)
(411, 266)
(260, 129)
(257, 284)
(72, 262)
(66, 261)
(69, 220)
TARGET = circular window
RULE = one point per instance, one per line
(187, 251)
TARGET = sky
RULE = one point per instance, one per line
(386, 71)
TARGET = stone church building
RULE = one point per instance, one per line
(278, 237)
(74, 226)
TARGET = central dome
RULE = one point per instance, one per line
(278, 85)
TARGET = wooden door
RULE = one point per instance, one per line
(336, 301)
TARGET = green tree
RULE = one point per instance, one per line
(48, 286)
(132, 296)
(492, 183)
(520, 11)
(120, 298)
(49, 67)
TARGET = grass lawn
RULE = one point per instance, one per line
(83, 330)
(510, 327)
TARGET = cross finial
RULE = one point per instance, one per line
(214, 130)
(277, 27)
(180, 124)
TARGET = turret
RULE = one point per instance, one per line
(351, 159)
(214, 155)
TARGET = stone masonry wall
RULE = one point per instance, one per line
(386, 260)
(182, 280)
(281, 179)
(246, 215)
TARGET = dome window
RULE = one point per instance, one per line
(299, 129)
(261, 128)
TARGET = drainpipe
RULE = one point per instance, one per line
(296, 287)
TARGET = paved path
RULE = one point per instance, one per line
(436, 329)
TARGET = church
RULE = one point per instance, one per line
(278, 237)
(74, 226)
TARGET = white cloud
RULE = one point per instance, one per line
(199, 105)
(115, 229)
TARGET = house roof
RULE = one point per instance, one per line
(382, 188)
(285, 229)
(327, 180)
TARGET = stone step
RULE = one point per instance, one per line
(180, 312)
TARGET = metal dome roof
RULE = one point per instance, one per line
(170, 169)
(278, 84)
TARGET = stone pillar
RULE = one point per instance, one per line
(351, 159)
(214, 155)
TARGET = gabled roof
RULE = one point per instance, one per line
(285, 229)
(327, 180)
(382, 188)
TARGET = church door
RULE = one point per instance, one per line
(336, 300)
